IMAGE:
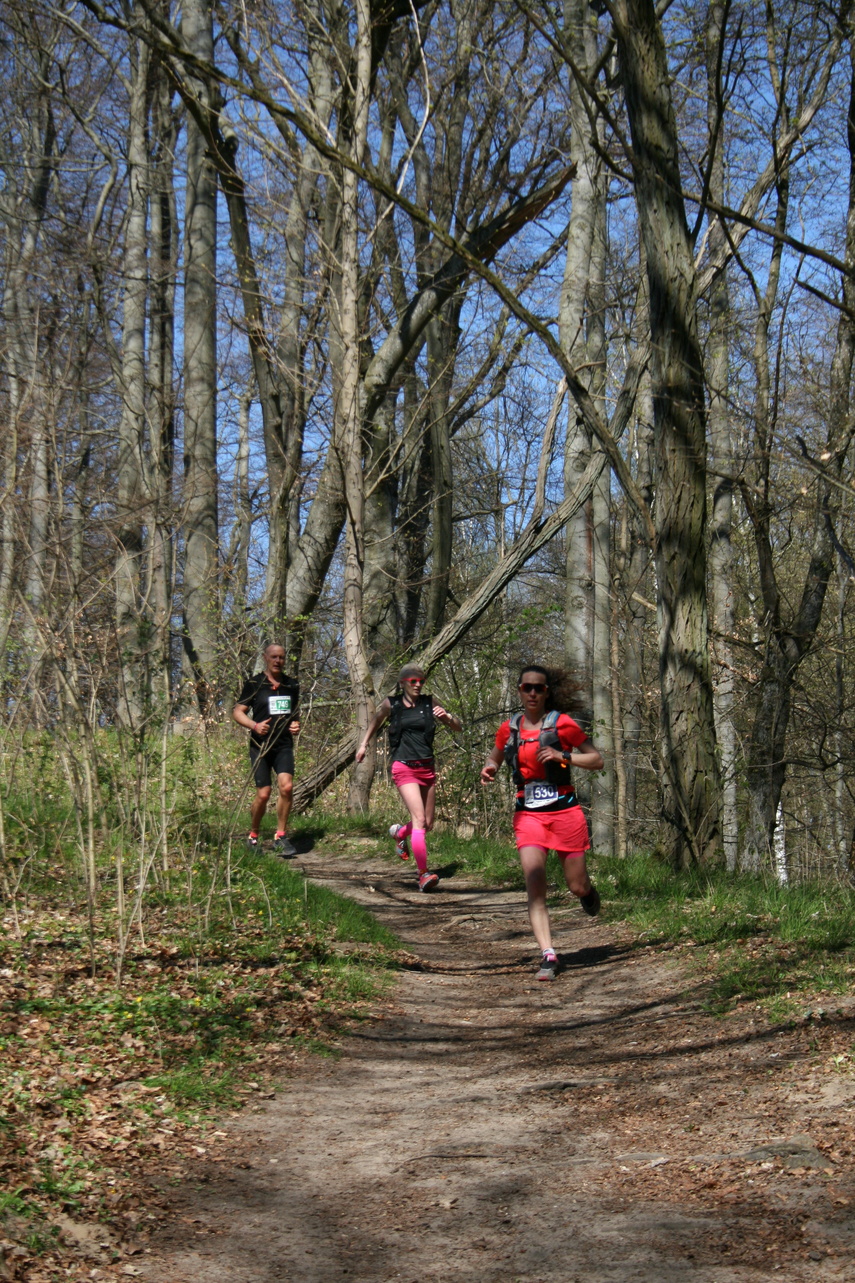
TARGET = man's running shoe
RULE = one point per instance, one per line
(281, 846)
(548, 966)
(427, 881)
(401, 848)
(591, 902)
(252, 841)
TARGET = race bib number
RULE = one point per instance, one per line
(279, 705)
(537, 794)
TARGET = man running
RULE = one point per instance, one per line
(267, 707)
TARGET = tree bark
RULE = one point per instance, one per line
(23, 213)
(200, 518)
(585, 211)
(788, 640)
(721, 454)
(347, 409)
(130, 488)
(690, 769)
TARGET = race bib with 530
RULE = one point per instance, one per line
(537, 794)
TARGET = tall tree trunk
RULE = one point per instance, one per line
(130, 500)
(721, 451)
(23, 214)
(633, 564)
(38, 505)
(442, 341)
(842, 799)
(164, 260)
(579, 605)
(379, 600)
(201, 538)
(690, 768)
(603, 782)
(347, 410)
(788, 640)
(587, 609)
(238, 558)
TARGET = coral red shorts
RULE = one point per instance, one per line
(562, 831)
(414, 772)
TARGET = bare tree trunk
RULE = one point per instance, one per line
(842, 799)
(587, 612)
(348, 413)
(39, 508)
(238, 558)
(721, 550)
(130, 502)
(284, 430)
(621, 846)
(690, 767)
(603, 782)
(442, 341)
(201, 535)
(164, 259)
(586, 210)
(788, 640)
(379, 600)
(23, 214)
(632, 564)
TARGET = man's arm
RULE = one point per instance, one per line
(240, 714)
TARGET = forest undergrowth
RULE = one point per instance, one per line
(125, 1040)
(122, 1042)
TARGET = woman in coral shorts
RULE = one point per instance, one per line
(538, 744)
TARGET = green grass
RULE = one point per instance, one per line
(290, 898)
(194, 1085)
(497, 863)
(759, 941)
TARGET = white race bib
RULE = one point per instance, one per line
(537, 793)
(279, 704)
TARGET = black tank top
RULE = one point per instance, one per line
(415, 744)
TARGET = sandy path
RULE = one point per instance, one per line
(492, 1128)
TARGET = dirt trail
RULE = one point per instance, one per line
(490, 1128)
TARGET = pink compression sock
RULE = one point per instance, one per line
(419, 845)
(404, 830)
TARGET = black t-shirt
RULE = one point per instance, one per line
(263, 700)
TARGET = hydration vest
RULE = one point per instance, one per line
(556, 772)
(425, 704)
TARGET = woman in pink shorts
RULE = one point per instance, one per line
(538, 745)
(412, 720)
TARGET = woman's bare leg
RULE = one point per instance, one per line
(533, 860)
(575, 872)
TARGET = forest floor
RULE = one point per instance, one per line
(484, 1126)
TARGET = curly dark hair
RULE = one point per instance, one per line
(564, 691)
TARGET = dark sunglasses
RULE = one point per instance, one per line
(414, 681)
(532, 688)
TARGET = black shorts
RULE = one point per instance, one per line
(277, 760)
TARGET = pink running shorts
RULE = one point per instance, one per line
(414, 773)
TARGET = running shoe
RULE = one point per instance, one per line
(427, 881)
(281, 846)
(401, 848)
(591, 902)
(252, 841)
(548, 966)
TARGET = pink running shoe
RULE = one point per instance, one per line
(401, 848)
(428, 881)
